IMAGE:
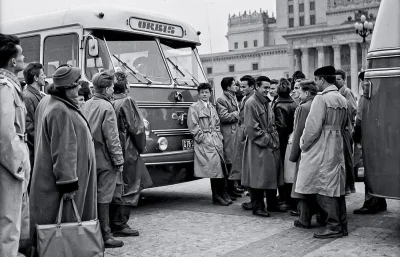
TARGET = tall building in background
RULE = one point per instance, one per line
(305, 35)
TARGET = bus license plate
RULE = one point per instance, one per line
(187, 144)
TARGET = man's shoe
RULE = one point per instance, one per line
(235, 194)
(112, 243)
(238, 190)
(277, 208)
(294, 213)
(344, 231)
(298, 224)
(247, 206)
(126, 232)
(327, 233)
(364, 210)
(227, 198)
(232, 196)
(261, 213)
(218, 200)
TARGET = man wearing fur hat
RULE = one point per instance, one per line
(109, 157)
(64, 154)
(322, 168)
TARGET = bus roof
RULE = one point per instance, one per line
(114, 18)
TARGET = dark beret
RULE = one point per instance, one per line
(361, 75)
(325, 71)
(65, 75)
(103, 79)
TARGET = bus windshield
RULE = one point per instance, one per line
(183, 62)
(138, 56)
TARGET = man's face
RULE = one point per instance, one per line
(110, 91)
(296, 89)
(264, 88)
(232, 88)
(319, 81)
(302, 94)
(72, 93)
(273, 91)
(18, 61)
(339, 81)
(245, 88)
(40, 80)
(204, 94)
(81, 101)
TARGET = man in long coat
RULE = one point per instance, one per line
(322, 169)
(14, 153)
(347, 139)
(65, 164)
(204, 125)
(135, 175)
(228, 113)
(262, 167)
(109, 158)
(372, 204)
(307, 92)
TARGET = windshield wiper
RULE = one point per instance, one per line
(195, 81)
(133, 72)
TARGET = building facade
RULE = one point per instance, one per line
(305, 35)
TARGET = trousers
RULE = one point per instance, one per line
(335, 210)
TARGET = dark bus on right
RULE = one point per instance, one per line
(381, 113)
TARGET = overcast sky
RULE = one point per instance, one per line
(193, 12)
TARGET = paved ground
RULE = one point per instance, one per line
(180, 220)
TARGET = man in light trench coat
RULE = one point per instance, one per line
(262, 167)
(322, 169)
(204, 125)
(101, 116)
(228, 113)
(14, 153)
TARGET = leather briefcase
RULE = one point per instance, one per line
(75, 239)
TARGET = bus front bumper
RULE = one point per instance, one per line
(174, 157)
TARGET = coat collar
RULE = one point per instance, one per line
(232, 98)
(284, 100)
(264, 100)
(120, 96)
(11, 76)
(34, 91)
(101, 96)
(308, 99)
(328, 89)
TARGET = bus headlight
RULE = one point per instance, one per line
(162, 143)
(146, 128)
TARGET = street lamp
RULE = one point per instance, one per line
(364, 28)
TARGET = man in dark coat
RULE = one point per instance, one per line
(347, 139)
(35, 80)
(228, 113)
(65, 164)
(135, 175)
(307, 92)
(284, 108)
(14, 153)
(372, 204)
(109, 158)
(262, 167)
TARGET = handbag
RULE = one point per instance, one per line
(75, 239)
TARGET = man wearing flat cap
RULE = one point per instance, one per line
(322, 168)
(109, 157)
(64, 154)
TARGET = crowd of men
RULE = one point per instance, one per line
(292, 137)
(66, 144)
(288, 141)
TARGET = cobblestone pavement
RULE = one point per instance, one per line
(180, 220)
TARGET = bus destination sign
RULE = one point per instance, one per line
(155, 27)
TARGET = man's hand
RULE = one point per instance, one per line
(68, 196)
(120, 168)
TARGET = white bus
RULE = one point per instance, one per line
(158, 53)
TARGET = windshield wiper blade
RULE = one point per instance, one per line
(195, 81)
(176, 67)
(127, 67)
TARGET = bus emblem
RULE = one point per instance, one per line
(156, 27)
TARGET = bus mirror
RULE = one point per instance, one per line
(93, 47)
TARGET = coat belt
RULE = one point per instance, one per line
(209, 130)
(332, 127)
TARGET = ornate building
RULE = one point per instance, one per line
(305, 35)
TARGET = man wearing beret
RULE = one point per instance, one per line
(109, 157)
(322, 168)
(64, 154)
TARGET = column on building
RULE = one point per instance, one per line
(307, 13)
(321, 56)
(305, 65)
(364, 51)
(337, 62)
(290, 52)
(297, 57)
(354, 67)
(296, 13)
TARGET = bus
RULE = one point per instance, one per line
(159, 55)
(380, 120)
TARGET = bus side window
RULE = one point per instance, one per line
(30, 50)
(58, 50)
